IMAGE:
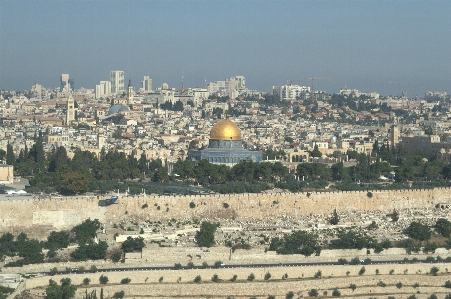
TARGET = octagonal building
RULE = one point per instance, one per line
(225, 146)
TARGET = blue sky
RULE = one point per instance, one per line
(368, 45)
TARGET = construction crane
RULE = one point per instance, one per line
(290, 82)
(313, 83)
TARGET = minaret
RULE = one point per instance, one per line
(130, 93)
(70, 113)
(100, 139)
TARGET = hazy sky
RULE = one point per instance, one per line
(383, 46)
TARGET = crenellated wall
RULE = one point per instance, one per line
(35, 215)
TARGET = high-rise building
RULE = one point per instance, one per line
(103, 89)
(231, 87)
(117, 81)
(285, 92)
(66, 85)
(146, 84)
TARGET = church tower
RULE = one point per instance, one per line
(70, 113)
(130, 93)
(394, 136)
(100, 139)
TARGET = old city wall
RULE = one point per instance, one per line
(41, 215)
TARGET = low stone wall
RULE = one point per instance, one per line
(300, 280)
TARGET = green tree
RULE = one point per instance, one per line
(161, 175)
(313, 293)
(119, 295)
(103, 279)
(116, 256)
(133, 244)
(335, 218)
(86, 231)
(206, 235)
(418, 231)
(298, 242)
(58, 240)
(65, 291)
(58, 159)
(74, 182)
(443, 227)
(10, 158)
(315, 152)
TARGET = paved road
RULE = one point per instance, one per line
(231, 266)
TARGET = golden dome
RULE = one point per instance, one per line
(225, 130)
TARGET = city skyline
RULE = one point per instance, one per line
(383, 46)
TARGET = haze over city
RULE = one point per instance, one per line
(383, 46)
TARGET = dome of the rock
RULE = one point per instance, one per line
(225, 130)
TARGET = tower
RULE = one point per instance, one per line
(100, 139)
(70, 112)
(130, 93)
(394, 136)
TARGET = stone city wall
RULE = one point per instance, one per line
(41, 215)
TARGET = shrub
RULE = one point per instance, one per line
(103, 279)
(125, 280)
(177, 266)
(318, 274)
(381, 284)
(362, 270)
(399, 285)
(205, 265)
(412, 297)
(271, 297)
(218, 264)
(116, 256)
(119, 295)
(198, 279)
(335, 218)
(313, 293)
(433, 296)
(434, 271)
(225, 205)
(289, 295)
(160, 280)
(348, 272)
(267, 276)
(355, 261)
(391, 272)
(352, 287)
(215, 278)
(53, 271)
(251, 277)
(234, 277)
(416, 285)
(336, 293)
(144, 206)
(86, 281)
(342, 261)
(369, 194)
(190, 265)
(447, 284)
(377, 272)
(93, 269)
(192, 205)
